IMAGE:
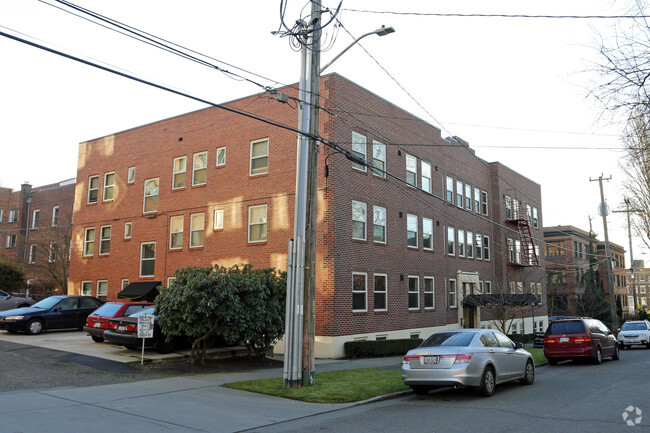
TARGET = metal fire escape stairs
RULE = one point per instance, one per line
(518, 216)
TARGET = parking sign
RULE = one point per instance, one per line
(145, 326)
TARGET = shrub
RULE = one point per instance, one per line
(373, 348)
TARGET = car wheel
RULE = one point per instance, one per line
(420, 390)
(598, 356)
(97, 339)
(34, 326)
(647, 346)
(529, 373)
(552, 361)
(488, 382)
(616, 356)
(623, 346)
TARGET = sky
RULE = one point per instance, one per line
(517, 89)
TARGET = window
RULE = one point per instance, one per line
(379, 158)
(257, 223)
(170, 281)
(429, 293)
(109, 186)
(461, 243)
(124, 283)
(1, 214)
(414, 293)
(535, 218)
(87, 288)
(147, 259)
(176, 224)
(508, 205)
(13, 215)
(529, 215)
(412, 230)
(381, 292)
(150, 195)
(89, 242)
(359, 291)
(218, 219)
(36, 216)
(179, 167)
(555, 249)
(470, 245)
(221, 156)
(379, 224)
(11, 241)
(359, 149)
(412, 170)
(452, 293)
(51, 254)
(32, 253)
(105, 240)
(459, 193)
(197, 229)
(479, 246)
(358, 220)
(488, 287)
(427, 234)
(93, 188)
(451, 241)
(102, 290)
(200, 168)
(130, 176)
(486, 247)
(468, 197)
(425, 168)
(450, 190)
(127, 230)
(477, 200)
(259, 157)
(484, 203)
(55, 216)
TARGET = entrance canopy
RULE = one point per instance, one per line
(500, 299)
(140, 291)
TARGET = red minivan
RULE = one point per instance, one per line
(97, 321)
(579, 338)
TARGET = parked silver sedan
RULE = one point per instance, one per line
(480, 358)
(9, 302)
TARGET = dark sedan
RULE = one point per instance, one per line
(55, 312)
(124, 331)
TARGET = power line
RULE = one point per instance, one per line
(477, 15)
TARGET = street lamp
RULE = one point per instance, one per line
(383, 31)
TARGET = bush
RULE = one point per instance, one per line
(524, 339)
(373, 348)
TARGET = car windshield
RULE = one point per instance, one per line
(143, 312)
(575, 327)
(461, 339)
(47, 303)
(108, 310)
(633, 327)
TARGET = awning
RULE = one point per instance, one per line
(518, 299)
(140, 291)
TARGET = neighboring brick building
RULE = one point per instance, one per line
(638, 280)
(395, 258)
(35, 229)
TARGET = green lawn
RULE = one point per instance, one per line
(343, 386)
(538, 355)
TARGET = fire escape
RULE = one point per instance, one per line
(525, 254)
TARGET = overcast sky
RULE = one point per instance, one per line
(515, 88)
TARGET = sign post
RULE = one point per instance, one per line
(145, 330)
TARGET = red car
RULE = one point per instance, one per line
(579, 339)
(97, 321)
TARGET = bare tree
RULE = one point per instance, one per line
(53, 250)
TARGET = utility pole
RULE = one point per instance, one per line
(629, 235)
(608, 259)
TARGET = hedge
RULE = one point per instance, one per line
(373, 348)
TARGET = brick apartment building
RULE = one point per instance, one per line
(397, 253)
(638, 280)
(35, 230)
(567, 251)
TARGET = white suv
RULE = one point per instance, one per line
(634, 332)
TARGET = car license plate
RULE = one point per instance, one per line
(564, 339)
(431, 359)
(121, 328)
(97, 325)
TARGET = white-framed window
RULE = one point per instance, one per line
(109, 186)
(128, 228)
(459, 193)
(484, 203)
(379, 158)
(381, 292)
(221, 156)
(176, 225)
(102, 290)
(411, 170)
(13, 215)
(170, 280)
(470, 245)
(359, 149)
(87, 288)
(218, 219)
(412, 230)
(414, 292)
(1, 215)
(150, 202)
(130, 175)
(200, 168)
(32, 253)
(451, 241)
(477, 200)
(468, 197)
(180, 172)
(259, 157)
(481, 287)
(535, 218)
(55, 216)
(479, 246)
(359, 212)
(197, 229)
(147, 259)
(488, 287)
(452, 294)
(507, 200)
(359, 291)
(425, 169)
(51, 254)
(124, 283)
(36, 216)
(379, 224)
(486, 247)
(104, 240)
(429, 293)
(427, 234)
(449, 190)
(461, 243)
(93, 189)
(529, 215)
(11, 241)
(89, 241)
(257, 223)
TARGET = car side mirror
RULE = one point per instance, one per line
(619, 329)
(519, 346)
(57, 309)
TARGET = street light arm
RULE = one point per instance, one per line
(381, 32)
